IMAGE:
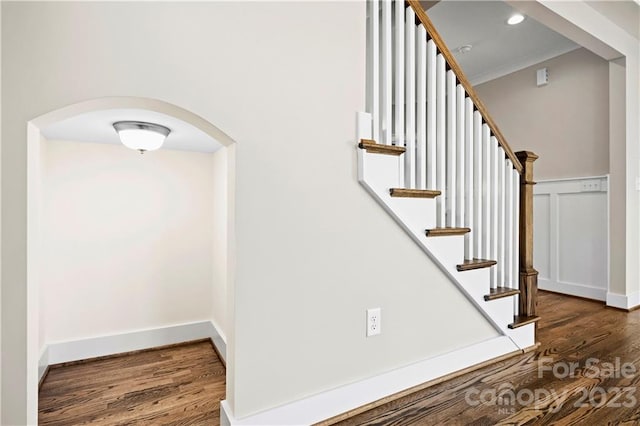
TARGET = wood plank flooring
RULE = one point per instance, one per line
(180, 385)
(525, 391)
(184, 385)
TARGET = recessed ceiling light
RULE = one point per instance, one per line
(515, 19)
(464, 49)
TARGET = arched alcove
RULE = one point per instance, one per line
(73, 123)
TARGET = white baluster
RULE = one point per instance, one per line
(451, 149)
(508, 275)
(410, 96)
(387, 76)
(478, 197)
(431, 115)
(441, 72)
(486, 183)
(373, 92)
(502, 222)
(494, 209)
(460, 156)
(469, 172)
(398, 87)
(421, 108)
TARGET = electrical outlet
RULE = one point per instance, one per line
(590, 186)
(374, 322)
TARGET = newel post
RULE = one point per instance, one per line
(528, 275)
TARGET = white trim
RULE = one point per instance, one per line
(129, 102)
(623, 301)
(569, 179)
(580, 290)
(608, 236)
(345, 398)
(59, 352)
(219, 340)
(511, 68)
(43, 362)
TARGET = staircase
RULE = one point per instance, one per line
(433, 158)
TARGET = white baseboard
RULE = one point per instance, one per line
(588, 292)
(219, 341)
(43, 362)
(59, 352)
(343, 399)
(623, 301)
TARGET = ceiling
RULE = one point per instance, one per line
(497, 48)
(97, 127)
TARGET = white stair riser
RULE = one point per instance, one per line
(380, 171)
(449, 250)
(418, 213)
(524, 336)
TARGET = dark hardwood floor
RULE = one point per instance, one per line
(180, 385)
(585, 372)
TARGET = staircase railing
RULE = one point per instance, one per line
(420, 99)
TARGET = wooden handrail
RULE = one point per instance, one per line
(453, 65)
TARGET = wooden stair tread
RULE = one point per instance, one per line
(442, 232)
(520, 320)
(376, 148)
(469, 265)
(414, 193)
(499, 292)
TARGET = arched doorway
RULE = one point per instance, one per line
(91, 121)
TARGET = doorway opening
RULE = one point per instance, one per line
(125, 252)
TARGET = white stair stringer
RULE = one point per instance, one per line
(378, 173)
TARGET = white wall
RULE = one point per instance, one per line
(220, 221)
(618, 170)
(126, 241)
(39, 149)
(571, 236)
(1, 214)
(313, 249)
(36, 151)
(565, 122)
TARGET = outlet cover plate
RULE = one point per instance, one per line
(374, 322)
(591, 185)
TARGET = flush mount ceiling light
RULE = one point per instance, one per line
(515, 19)
(141, 136)
(464, 49)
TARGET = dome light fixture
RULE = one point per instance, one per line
(515, 19)
(466, 48)
(141, 136)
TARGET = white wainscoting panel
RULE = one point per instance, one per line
(571, 235)
(542, 243)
